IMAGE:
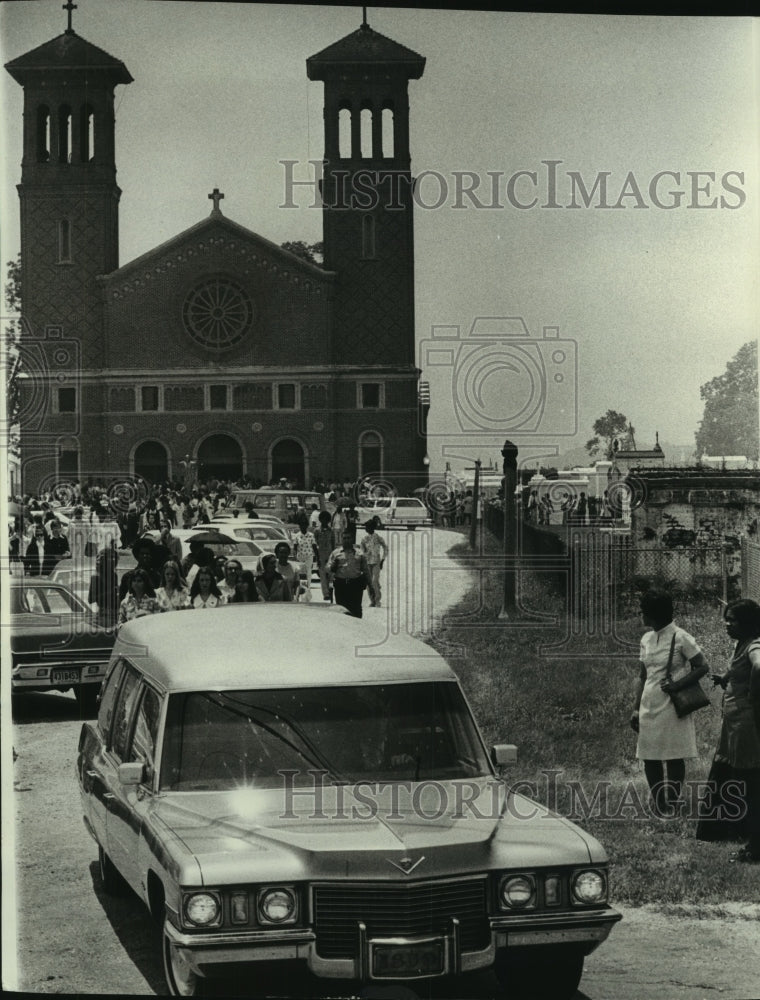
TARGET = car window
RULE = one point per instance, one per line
(143, 744)
(264, 502)
(122, 713)
(59, 602)
(108, 697)
(409, 503)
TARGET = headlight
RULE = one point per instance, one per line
(202, 909)
(589, 887)
(277, 906)
(518, 892)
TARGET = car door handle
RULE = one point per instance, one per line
(92, 774)
(108, 795)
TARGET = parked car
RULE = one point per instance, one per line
(264, 534)
(291, 800)
(244, 550)
(409, 512)
(222, 519)
(286, 504)
(56, 643)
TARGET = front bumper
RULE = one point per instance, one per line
(582, 931)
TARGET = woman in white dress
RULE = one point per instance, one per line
(665, 741)
(173, 594)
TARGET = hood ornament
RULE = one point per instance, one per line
(406, 865)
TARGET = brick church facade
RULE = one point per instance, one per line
(218, 344)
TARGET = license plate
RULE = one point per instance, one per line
(401, 961)
(70, 676)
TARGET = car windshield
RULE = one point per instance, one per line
(383, 732)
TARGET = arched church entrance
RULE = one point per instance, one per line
(152, 462)
(219, 457)
(288, 462)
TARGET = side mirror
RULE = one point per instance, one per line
(132, 773)
(503, 754)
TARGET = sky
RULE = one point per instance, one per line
(629, 307)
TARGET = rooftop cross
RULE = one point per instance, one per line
(69, 7)
(216, 196)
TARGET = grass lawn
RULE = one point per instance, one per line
(569, 719)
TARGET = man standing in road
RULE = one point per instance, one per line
(349, 571)
(374, 550)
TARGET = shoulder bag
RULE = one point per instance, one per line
(690, 698)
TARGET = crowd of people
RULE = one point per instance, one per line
(163, 580)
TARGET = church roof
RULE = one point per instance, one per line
(214, 221)
(67, 52)
(364, 47)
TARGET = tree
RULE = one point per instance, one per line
(730, 422)
(12, 334)
(306, 251)
(606, 429)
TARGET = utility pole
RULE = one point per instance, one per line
(509, 452)
(475, 504)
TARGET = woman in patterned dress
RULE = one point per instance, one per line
(140, 599)
(738, 755)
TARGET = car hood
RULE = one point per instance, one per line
(359, 832)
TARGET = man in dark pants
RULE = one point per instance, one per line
(348, 568)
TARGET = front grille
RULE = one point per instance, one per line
(395, 910)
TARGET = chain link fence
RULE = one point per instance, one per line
(750, 568)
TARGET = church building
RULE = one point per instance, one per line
(218, 346)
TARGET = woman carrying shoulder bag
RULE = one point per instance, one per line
(670, 660)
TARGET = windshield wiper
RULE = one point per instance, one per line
(316, 759)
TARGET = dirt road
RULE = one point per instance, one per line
(72, 938)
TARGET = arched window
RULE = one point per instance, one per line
(366, 134)
(87, 134)
(220, 457)
(388, 132)
(151, 462)
(344, 133)
(370, 453)
(288, 462)
(43, 133)
(64, 134)
(368, 237)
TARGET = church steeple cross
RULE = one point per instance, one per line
(69, 7)
(216, 196)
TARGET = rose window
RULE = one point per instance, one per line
(217, 314)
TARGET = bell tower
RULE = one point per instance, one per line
(68, 192)
(367, 195)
